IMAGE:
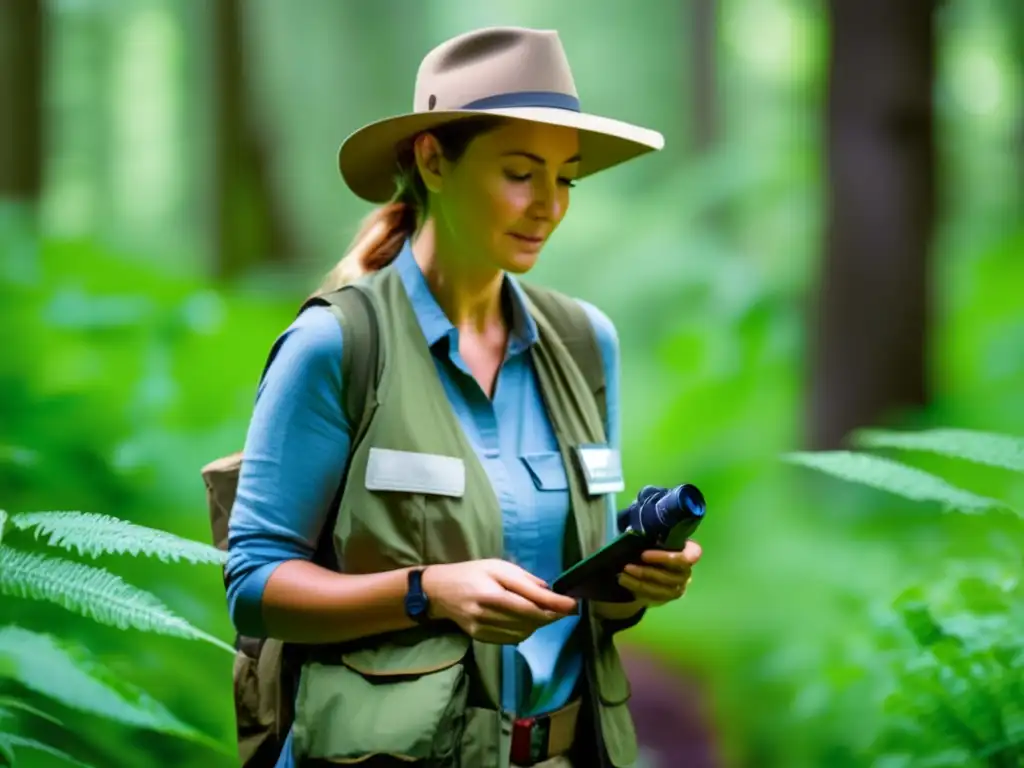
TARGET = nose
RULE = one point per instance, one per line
(546, 203)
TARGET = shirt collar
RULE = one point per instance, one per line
(436, 325)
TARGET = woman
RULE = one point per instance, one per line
(458, 504)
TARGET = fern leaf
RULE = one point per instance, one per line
(94, 593)
(893, 477)
(10, 741)
(69, 674)
(996, 450)
(8, 702)
(92, 534)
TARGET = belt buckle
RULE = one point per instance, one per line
(530, 740)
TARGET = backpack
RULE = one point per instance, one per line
(265, 669)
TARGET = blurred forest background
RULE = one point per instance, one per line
(832, 239)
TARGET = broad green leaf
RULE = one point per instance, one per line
(996, 450)
(93, 535)
(94, 593)
(10, 740)
(70, 675)
(3, 523)
(891, 476)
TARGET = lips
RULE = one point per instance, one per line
(528, 238)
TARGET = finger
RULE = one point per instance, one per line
(517, 609)
(513, 571)
(651, 592)
(655, 575)
(674, 560)
(539, 596)
(692, 552)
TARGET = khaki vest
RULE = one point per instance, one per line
(416, 494)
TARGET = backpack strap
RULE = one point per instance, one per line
(355, 314)
(574, 328)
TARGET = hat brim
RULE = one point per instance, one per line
(368, 158)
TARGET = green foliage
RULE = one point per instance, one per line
(8, 741)
(995, 450)
(954, 646)
(92, 592)
(94, 535)
(66, 673)
(892, 476)
(74, 435)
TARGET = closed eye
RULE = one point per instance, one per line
(526, 177)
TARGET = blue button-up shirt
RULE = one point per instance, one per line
(298, 446)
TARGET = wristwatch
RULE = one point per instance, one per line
(417, 603)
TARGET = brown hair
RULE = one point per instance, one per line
(385, 229)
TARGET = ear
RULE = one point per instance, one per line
(429, 161)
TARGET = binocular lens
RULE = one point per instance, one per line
(681, 503)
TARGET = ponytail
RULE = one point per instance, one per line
(385, 230)
(377, 244)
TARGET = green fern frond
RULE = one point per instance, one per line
(94, 593)
(7, 703)
(893, 477)
(8, 741)
(1004, 451)
(69, 674)
(93, 534)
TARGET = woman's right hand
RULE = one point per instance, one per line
(493, 601)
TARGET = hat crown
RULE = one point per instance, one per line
(491, 62)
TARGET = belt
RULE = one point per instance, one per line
(535, 739)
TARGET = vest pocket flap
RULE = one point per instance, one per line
(405, 701)
(547, 470)
(395, 659)
(412, 472)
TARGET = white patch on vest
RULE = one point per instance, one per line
(410, 472)
(602, 469)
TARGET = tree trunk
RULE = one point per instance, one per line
(250, 227)
(703, 88)
(22, 46)
(869, 356)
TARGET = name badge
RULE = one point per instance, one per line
(410, 472)
(602, 469)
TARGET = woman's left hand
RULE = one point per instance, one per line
(663, 576)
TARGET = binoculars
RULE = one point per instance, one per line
(659, 518)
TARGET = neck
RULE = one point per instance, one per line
(469, 293)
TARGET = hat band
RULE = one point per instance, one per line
(550, 99)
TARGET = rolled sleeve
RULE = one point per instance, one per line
(294, 458)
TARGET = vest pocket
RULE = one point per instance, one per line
(401, 700)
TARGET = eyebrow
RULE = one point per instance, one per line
(537, 158)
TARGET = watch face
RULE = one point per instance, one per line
(416, 604)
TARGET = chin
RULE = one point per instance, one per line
(519, 262)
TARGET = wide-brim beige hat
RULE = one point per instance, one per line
(511, 72)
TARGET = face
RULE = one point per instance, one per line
(506, 195)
